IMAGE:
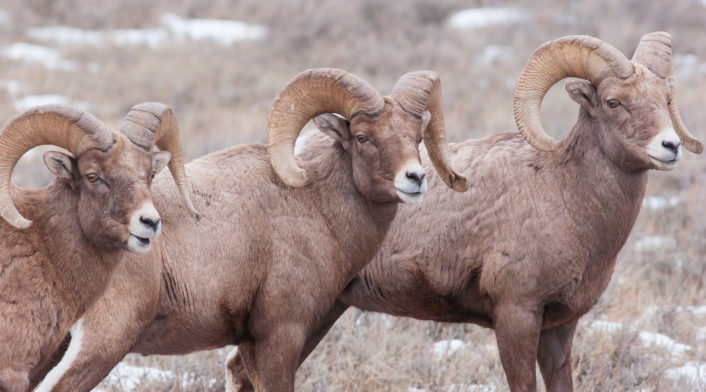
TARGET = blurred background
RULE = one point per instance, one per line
(220, 63)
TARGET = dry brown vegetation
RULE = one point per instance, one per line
(221, 95)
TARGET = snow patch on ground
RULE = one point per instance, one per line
(653, 243)
(148, 37)
(31, 101)
(650, 339)
(128, 378)
(693, 373)
(478, 18)
(470, 388)
(605, 326)
(493, 54)
(225, 32)
(660, 202)
(701, 334)
(221, 31)
(688, 66)
(65, 35)
(30, 53)
(37, 100)
(12, 87)
(447, 347)
(459, 388)
(695, 310)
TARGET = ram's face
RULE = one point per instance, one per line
(637, 130)
(385, 155)
(115, 207)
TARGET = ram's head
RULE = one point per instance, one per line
(381, 134)
(631, 103)
(108, 173)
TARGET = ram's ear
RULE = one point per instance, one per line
(335, 126)
(583, 92)
(160, 160)
(60, 164)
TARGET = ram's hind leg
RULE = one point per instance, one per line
(554, 357)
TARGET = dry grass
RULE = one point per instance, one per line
(222, 95)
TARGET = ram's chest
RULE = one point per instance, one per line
(33, 321)
(580, 295)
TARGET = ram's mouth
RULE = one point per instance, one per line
(410, 197)
(665, 165)
(139, 244)
(143, 241)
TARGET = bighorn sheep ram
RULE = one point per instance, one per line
(532, 245)
(100, 206)
(268, 258)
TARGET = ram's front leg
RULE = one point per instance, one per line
(273, 359)
(12, 380)
(92, 353)
(517, 332)
(106, 332)
(236, 376)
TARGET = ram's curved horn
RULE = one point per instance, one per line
(62, 126)
(313, 92)
(419, 91)
(690, 142)
(571, 56)
(655, 53)
(154, 124)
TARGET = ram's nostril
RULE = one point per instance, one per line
(417, 177)
(153, 223)
(674, 147)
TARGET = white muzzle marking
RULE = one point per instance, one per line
(145, 224)
(665, 149)
(411, 182)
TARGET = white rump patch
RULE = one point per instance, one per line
(67, 360)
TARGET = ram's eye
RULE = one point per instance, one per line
(361, 139)
(613, 103)
(91, 177)
(669, 101)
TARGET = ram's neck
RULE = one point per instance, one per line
(357, 225)
(73, 270)
(598, 194)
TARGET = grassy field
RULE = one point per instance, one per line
(648, 331)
